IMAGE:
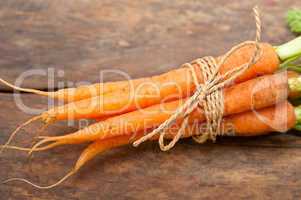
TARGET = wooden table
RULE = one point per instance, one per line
(141, 38)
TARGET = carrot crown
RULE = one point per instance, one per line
(289, 53)
(294, 84)
(298, 118)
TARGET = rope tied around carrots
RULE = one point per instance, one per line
(208, 95)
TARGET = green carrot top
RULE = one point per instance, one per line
(293, 18)
(291, 51)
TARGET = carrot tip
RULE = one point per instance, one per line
(29, 149)
(11, 137)
(42, 137)
(16, 148)
(29, 90)
(38, 186)
(45, 139)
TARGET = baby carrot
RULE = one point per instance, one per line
(269, 62)
(257, 125)
(170, 81)
(170, 86)
(253, 94)
(173, 85)
(260, 122)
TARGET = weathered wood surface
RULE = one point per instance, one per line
(141, 38)
(249, 168)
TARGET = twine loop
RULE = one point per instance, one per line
(208, 95)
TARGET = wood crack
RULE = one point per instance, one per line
(9, 91)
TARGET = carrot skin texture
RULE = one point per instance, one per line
(257, 93)
(99, 147)
(244, 124)
(279, 118)
(88, 91)
(170, 86)
(267, 64)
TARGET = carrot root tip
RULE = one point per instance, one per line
(42, 137)
(45, 139)
(38, 186)
(11, 137)
(16, 148)
(29, 90)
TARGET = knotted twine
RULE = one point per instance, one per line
(208, 94)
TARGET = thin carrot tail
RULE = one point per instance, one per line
(50, 146)
(16, 148)
(45, 139)
(29, 90)
(41, 130)
(11, 137)
(42, 187)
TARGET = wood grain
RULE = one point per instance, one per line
(142, 38)
(245, 168)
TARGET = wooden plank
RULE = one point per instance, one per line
(141, 38)
(248, 168)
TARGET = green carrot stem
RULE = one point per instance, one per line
(291, 49)
(296, 68)
(286, 64)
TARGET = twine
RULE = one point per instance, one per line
(208, 94)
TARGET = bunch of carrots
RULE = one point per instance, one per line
(127, 110)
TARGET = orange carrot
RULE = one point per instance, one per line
(179, 85)
(257, 125)
(170, 86)
(169, 83)
(280, 118)
(254, 94)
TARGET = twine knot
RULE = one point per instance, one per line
(208, 95)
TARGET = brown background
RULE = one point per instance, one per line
(142, 38)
